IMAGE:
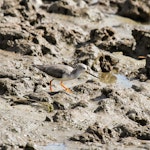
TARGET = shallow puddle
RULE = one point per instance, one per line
(122, 81)
(55, 146)
(118, 79)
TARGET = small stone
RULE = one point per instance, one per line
(80, 104)
(3, 147)
(58, 105)
(148, 65)
(137, 88)
(47, 119)
(29, 146)
(142, 77)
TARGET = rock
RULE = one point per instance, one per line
(87, 54)
(50, 37)
(106, 39)
(100, 134)
(148, 65)
(40, 96)
(58, 105)
(14, 39)
(62, 7)
(3, 147)
(124, 131)
(106, 105)
(93, 88)
(142, 77)
(80, 104)
(94, 133)
(73, 35)
(104, 135)
(94, 15)
(29, 146)
(125, 45)
(137, 88)
(107, 92)
(142, 74)
(8, 87)
(136, 9)
(3, 87)
(105, 63)
(83, 138)
(8, 8)
(142, 38)
(47, 119)
(62, 100)
(11, 32)
(97, 59)
(49, 32)
(28, 12)
(107, 6)
(103, 34)
(17, 100)
(61, 116)
(133, 115)
(15, 87)
(145, 135)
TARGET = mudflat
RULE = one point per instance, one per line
(111, 111)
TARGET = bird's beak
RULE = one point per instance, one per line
(92, 74)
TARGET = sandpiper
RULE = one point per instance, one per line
(63, 73)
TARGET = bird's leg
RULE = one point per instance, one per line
(66, 89)
(51, 85)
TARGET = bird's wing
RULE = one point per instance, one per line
(56, 71)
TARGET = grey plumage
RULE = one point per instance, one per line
(62, 72)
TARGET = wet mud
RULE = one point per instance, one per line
(109, 111)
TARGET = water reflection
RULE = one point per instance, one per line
(107, 77)
(118, 79)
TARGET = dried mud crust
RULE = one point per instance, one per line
(96, 115)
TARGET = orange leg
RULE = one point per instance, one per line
(51, 85)
(66, 89)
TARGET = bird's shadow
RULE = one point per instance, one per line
(53, 93)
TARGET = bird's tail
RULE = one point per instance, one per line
(40, 67)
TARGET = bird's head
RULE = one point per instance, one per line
(81, 67)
